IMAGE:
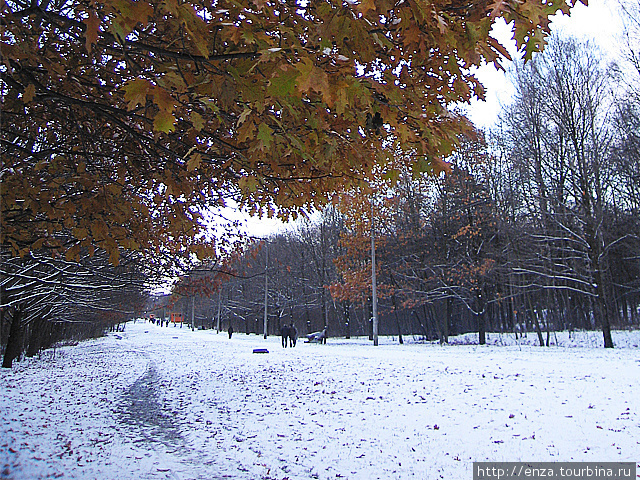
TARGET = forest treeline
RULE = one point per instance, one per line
(535, 228)
(48, 300)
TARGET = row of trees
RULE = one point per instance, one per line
(535, 228)
(46, 300)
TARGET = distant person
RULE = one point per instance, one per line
(285, 332)
(230, 331)
(318, 337)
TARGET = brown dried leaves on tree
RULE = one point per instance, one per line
(123, 121)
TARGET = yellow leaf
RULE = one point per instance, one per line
(79, 233)
(260, 4)
(246, 131)
(91, 33)
(135, 92)
(313, 78)
(265, 135)
(99, 229)
(442, 25)
(114, 255)
(163, 99)
(197, 120)
(243, 116)
(194, 162)
(248, 183)
(438, 166)
(342, 102)
(366, 5)
(171, 80)
(73, 253)
(305, 68)
(164, 122)
(38, 244)
(195, 27)
(142, 11)
(29, 93)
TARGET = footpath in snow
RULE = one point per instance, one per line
(168, 403)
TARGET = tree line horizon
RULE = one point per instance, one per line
(534, 228)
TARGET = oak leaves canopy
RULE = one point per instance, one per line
(123, 120)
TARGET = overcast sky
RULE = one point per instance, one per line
(599, 22)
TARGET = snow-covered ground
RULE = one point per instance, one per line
(156, 403)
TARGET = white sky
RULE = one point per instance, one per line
(599, 22)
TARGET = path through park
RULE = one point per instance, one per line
(168, 403)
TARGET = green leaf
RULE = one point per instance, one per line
(248, 184)
(284, 83)
(116, 29)
(265, 135)
(164, 122)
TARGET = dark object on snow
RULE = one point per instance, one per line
(230, 331)
(317, 337)
(290, 333)
(260, 350)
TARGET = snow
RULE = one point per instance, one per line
(168, 403)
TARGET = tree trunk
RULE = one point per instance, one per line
(436, 322)
(346, 315)
(370, 309)
(36, 337)
(625, 312)
(606, 327)
(374, 284)
(14, 342)
(602, 312)
(306, 310)
(193, 312)
(425, 333)
(447, 319)
(536, 322)
(599, 303)
(219, 310)
(2, 316)
(482, 334)
(480, 310)
(395, 312)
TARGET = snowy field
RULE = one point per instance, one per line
(168, 403)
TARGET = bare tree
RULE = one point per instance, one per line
(561, 138)
(45, 299)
